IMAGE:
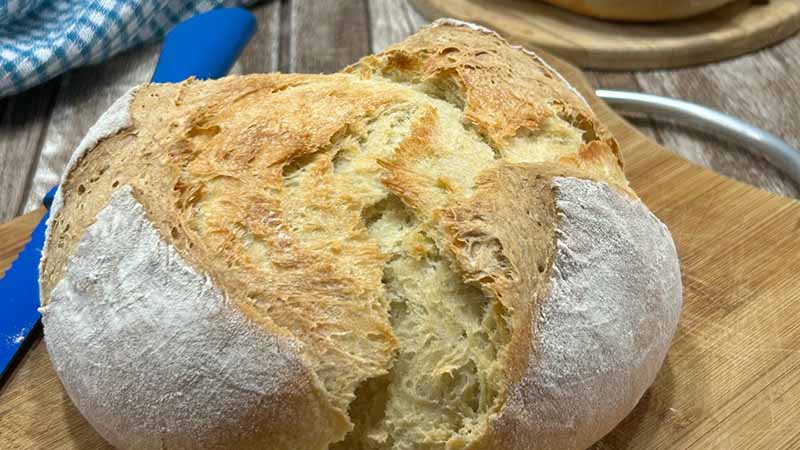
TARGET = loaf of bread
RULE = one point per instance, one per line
(640, 10)
(435, 249)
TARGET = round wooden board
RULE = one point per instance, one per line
(738, 28)
(732, 376)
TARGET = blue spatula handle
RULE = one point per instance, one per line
(204, 46)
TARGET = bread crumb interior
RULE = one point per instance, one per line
(338, 243)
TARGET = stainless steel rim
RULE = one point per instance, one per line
(759, 142)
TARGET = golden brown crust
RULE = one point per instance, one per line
(640, 10)
(503, 238)
(502, 90)
(490, 79)
(266, 183)
(207, 161)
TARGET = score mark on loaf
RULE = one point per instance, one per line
(436, 248)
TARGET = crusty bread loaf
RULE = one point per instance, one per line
(435, 249)
(640, 10)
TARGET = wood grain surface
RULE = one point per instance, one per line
(732, 378)
(40, 128)
(732, 30)
(23, 123)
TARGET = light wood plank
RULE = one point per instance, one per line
(23, 121)
(84, 95)
(11, 241)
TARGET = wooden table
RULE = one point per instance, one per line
(40, 128)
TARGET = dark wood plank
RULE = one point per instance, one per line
(391, 21)
(87, 92)
(326, 35)
(84, 95)
(23, 121)
(261, 54)
(759, 88)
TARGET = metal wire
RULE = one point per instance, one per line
(754, 139)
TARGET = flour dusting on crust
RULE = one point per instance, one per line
(449, 21)
(115, 119)
(151, 352)
(603, 330)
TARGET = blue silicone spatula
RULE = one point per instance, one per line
(204, 46)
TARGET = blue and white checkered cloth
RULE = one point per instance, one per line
(40, 39)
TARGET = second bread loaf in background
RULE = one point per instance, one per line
(640, 10)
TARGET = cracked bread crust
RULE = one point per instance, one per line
(507, 94)
(600, 316)
(217, 198)
(434, 177)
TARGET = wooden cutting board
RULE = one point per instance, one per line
(732, 377)
(738, 28)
